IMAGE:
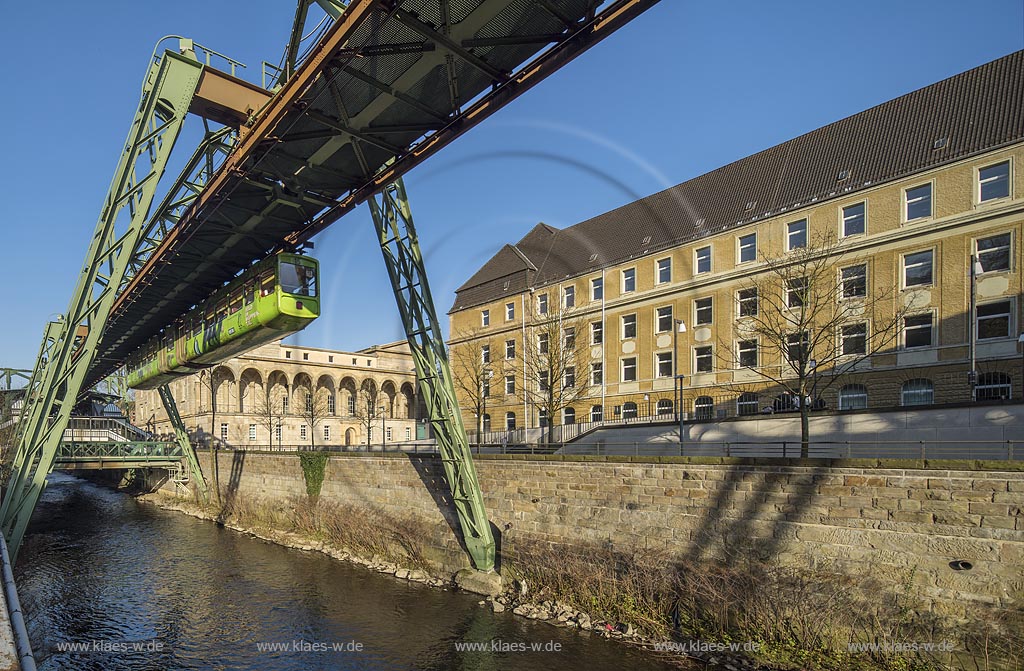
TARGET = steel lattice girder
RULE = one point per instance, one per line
(400, 246)
(168, 91)
(181, 436)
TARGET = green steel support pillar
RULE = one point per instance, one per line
(393, 220)
(167, 93)
(181, 436)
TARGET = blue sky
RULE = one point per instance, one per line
(684, 89)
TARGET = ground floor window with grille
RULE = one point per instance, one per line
(277, 433)
(747, 404)
(704, 407)
(252, 432)
(664, 407)
(597, 413)
(993, 386)
(629, 410)
(853, 397)
(303, 432)
(327, 432)
(387, 435)
(224, 431)
(487, 427)
(917, 392)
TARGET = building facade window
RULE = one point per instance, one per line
(702, 260)
(510, 349)
(542, 304)
(747, 404)
(854, 220)
(854, 281)
(854, 339)
(485, 354)
(703, 311)
(331, 404)
(597, 289)
(704, 408)
(994, 182)
(303, 432)
(796, 235)
(542, 381)
(917, 269)
(277, 432)
(917, 331)
(628, 326)
(568, 416)
(748, 248)
(387, 434)
(510, 311)
(596, 374)
(703, 359)
(993, 252)
(569, 338)
(628, 280)
(993, 386)
(798, 347)
(663, 321)
(747, 353)
(917, 392)
(510, 421)
(796, 292)
(327, 431)
(252, 432)
(918, 202)
(510, 384)
(542, 343)
(569, 296)
(994, 320)
(569, 377)
(664, 407)
(853, 397)
(663, 364)
(596, 333)
(629, 369)
(746, 300)
(664, 271)
(629, 410)
(597, 413)
(224, 431)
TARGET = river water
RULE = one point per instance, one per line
(144, 589)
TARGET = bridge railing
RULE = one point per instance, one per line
(142, 450)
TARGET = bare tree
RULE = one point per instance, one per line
(475, 368)
(314, 411)
(810, 319)
(269, 411)
(368, 413)
(208, 380)
(554, 361)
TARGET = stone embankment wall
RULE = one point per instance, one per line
(898, 522)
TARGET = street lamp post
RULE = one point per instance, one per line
(647, 402)
(677, 378)
(1020, 341)
(972, 375)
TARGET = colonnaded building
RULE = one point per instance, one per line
(287, 396)
(879, 254)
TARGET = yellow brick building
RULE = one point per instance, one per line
(911, 190)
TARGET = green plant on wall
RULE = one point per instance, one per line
(313, 464)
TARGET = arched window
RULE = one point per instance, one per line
(487, 422)
(664, 407)
(918, 392)
(350, 436)
(569, 416)
(704, 407)
(993, 386)
(746, 403)
(853, 397)
(629, 410)
(785, 402)
(597, 413)
(510, 421)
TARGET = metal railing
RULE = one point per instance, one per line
(118, 450)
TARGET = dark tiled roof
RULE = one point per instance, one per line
(975, 111)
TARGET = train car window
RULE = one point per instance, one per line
(267, 283)
(169, 338)
(249, 292)
(222, 309)
(236, 301)
(298, 280)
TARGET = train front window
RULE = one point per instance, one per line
(298, 280)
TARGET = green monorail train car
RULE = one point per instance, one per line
(273, 299)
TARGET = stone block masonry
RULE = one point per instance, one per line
(897, 522)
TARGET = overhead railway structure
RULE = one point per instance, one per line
(386, 86)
